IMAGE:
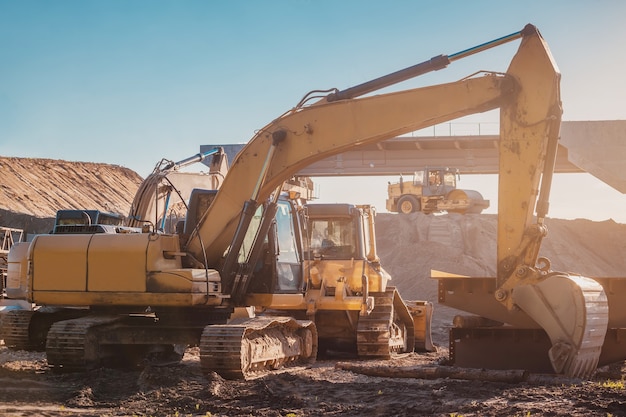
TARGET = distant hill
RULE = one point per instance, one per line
(32, 190)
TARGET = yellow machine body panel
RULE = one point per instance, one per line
(117, 265)
(129, 268)
(339, 273)
(59, 263)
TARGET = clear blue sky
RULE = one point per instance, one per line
(129, 82)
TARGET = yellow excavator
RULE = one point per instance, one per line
(151, 290)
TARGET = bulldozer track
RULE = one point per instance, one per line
(250, 348)
(383, 332)
(68, 347)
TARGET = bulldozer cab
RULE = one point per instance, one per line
(336, 231)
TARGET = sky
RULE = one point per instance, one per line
(129, 82)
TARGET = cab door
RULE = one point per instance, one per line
(288, 244)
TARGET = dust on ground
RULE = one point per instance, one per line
(409, 247)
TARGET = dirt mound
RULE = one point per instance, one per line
(410, 246)
(32, 190)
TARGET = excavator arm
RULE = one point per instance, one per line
(529, 99)
(573, 310)
(338, 122)
(306, 135)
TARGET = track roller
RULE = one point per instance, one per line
(16, 333)
(28, 329)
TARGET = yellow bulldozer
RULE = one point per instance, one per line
(248, 244)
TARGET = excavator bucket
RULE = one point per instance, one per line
(573, 310)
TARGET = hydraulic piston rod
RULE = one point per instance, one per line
(433, 64)
(199, 157)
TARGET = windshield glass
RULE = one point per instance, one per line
(333, 238)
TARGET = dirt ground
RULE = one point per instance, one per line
(409, 247)
(29, 389)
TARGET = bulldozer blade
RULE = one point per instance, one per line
(574, 312)
(422, 313)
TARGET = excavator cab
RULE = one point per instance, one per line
(279, 268)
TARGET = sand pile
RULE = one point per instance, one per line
(410, 246)
(32, 190)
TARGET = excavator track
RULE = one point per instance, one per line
(69, 347)
(15, 330)
(388, 329)
(250, 348)
(27, 329)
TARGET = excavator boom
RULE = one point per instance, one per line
(377, 118)
(306, 135)
(166, 187)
